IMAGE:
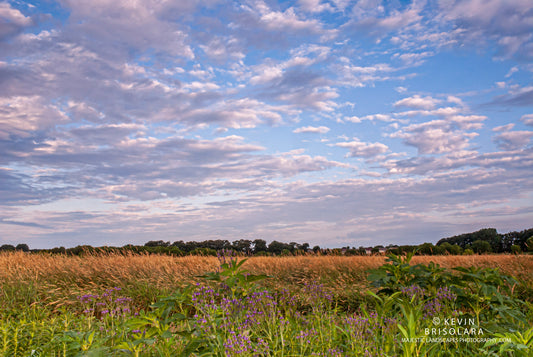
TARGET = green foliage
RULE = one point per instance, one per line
(529, 244)
(480, 247)
(512, 343)
(515, 249)
(398, 273)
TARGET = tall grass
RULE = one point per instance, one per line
(55, 280)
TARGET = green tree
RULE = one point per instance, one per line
(481, 246)
(23, 247)
(426, 249)
(515, 249)
(277, 247)
(456, 250)
(259, 245)
(8, 247)
(529, 244)
(157, 243)
(242, 246)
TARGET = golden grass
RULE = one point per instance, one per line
(58, 277)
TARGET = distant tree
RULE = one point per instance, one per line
(374, 250)
(316, 249)
(518, 238)
(157, 243)
(426, 249)
(481, 246)
(259, 245)
(242, 246)
(456, 250)
(23, 247)
(276, 247)
(489, 235)
(80, 250)
(286, 252)
(468, 251)
(529, 244)
(515, 249)
(56, 250)
(181, 245)
(7, 247)
(447, 247)
(292, 246)
(438, 250)
(304, 247)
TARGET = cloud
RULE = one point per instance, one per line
(505, 127)
(373, 19)
(311, 129)
(315, 6)
(222, 49)
(527, 119)
(512, 71)
(361, 76)
(24, 224)
(413, 59)
(132, 26)
(509, 22)
(418, 102)
(361, 149)
(24, 116)
(12, 21)
(513, 140)
(517, 96)
(153, 116)
(267, 21)
(434, 137)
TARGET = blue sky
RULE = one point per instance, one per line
(337, 123)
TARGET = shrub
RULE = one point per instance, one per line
(515, 249)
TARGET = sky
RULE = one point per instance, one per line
(336, 123)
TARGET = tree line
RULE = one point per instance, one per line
(483, 241)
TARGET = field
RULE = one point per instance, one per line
(154, 305)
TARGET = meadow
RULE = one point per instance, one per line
(157, 305)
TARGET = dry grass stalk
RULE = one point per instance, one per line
(56, 272)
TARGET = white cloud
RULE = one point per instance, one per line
(527, 119)
(12, 21)
(454, 100)
(512, 71)
(22, 116)
(506, 127)
(353, 119)
(136, 24)
(418, 102)
(167, 111)
(509, 22)
(315, 6)
(434, 137)
(400, 89)
(413, 59)
(513, 140)
(362, 149)
(361, 76)
(311, 129)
